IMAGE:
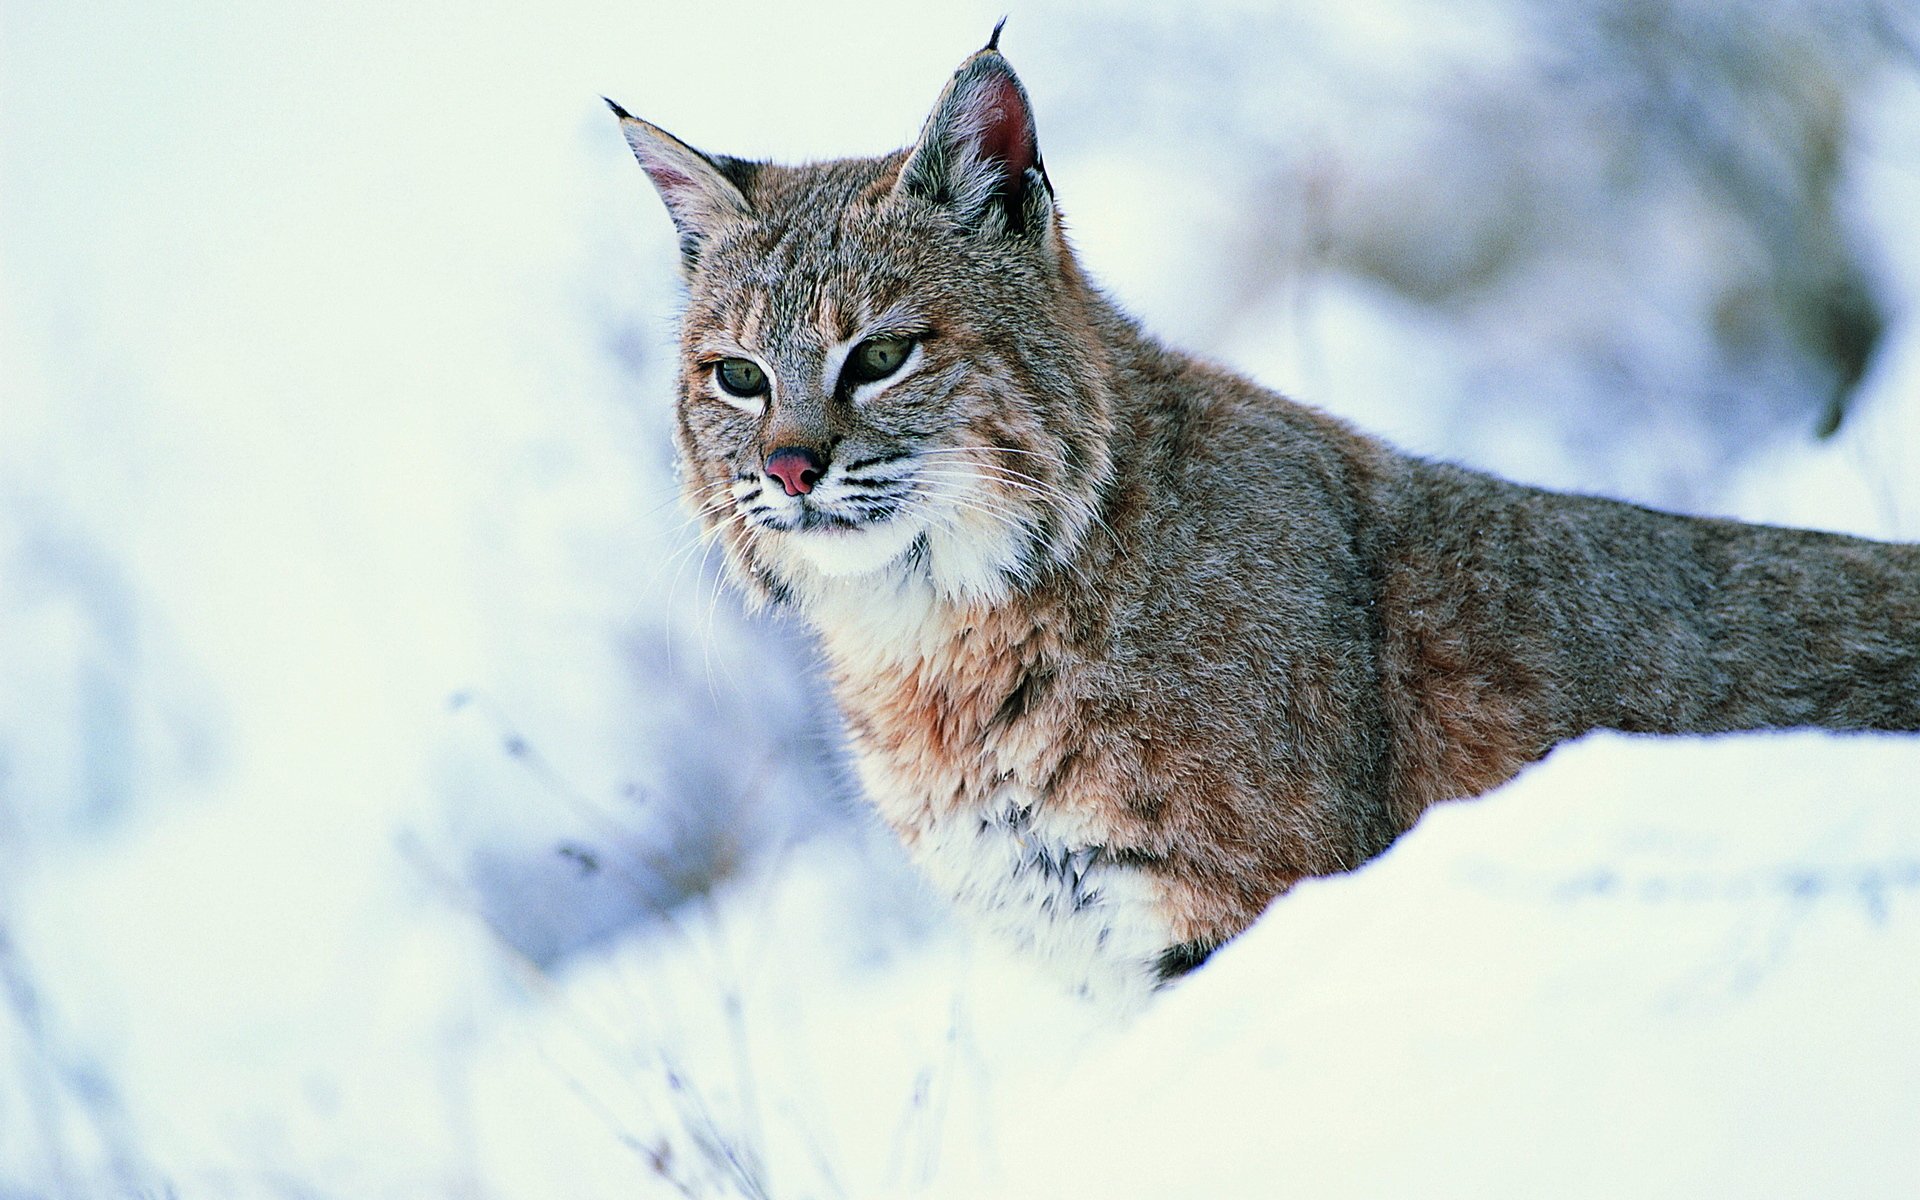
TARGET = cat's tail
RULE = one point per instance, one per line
(1789, 627)
(1515, 618)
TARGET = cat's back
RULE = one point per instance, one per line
(1230, 491)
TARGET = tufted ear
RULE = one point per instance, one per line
(978, 155)
(701, 192)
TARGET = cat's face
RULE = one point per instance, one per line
(877, 373)
(853, 393)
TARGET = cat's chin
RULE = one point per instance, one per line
(844, 552)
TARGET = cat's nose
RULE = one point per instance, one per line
(797, 468)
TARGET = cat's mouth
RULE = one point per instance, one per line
(839, 515)
(819, 520)
(845, 536)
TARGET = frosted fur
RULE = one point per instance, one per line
(1128, 645)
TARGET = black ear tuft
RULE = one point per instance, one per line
(993, 43)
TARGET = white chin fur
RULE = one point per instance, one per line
(840, 553)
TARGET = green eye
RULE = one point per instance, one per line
(739, 377)
(877, 358)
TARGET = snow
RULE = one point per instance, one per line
(1645, 969)
(393, 804)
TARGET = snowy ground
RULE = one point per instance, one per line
(365, 717)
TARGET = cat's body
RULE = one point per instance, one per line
(1127, 645)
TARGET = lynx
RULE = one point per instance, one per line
(1127, 645)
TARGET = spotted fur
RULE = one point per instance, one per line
(1128, 645)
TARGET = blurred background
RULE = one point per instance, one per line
(393, 800)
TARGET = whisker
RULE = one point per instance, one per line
(705, 544)
(680, 496)
(706, 536)
(698, 518)
(1071, 566)
(879, 460)
(1013, 520)
(1016, 479)
(700, 515)
(1052, 458)
(706, 641)
(1009, 475)
(1028, 483)
(1001, 468)
(847, 481)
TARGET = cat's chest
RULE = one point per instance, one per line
(1050, 888)
(962, 724)
(946, 707)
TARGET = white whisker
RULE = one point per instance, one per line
(1009, 474)
(1013, 519)
(1075, 504)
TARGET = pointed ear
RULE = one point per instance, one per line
(978, 156)
(702, 193)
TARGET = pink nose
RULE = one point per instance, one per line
(797, 468)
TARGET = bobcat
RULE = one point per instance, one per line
(1126, 645)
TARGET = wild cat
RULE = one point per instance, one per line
(1126, 644)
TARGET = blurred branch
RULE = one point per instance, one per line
(50, 1082)
(33, 1068)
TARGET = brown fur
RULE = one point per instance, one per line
(1171, 641)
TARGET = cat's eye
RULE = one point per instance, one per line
(739, 377)
(876, 358)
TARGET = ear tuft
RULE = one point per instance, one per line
(978, 155)
(702, 194)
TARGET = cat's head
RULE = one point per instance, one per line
(887, 364)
